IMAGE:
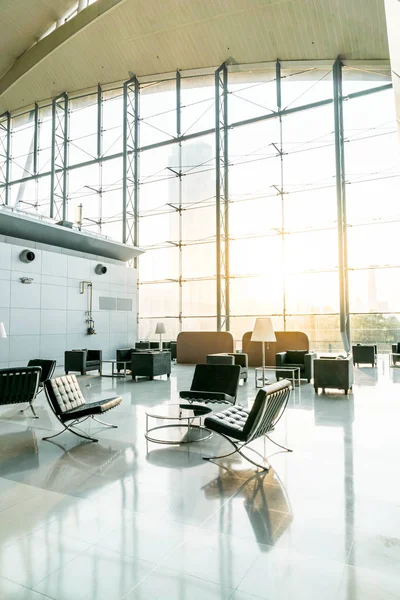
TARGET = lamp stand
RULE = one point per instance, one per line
(160, 345)
(263, 362)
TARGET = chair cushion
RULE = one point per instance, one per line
(92, 408)
(230, 422)
(295, 357)
(92, 363)
(207, 396)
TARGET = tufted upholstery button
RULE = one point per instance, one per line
(67, 393)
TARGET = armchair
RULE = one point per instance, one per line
(228, 358)
(396, 350)
(69, 406)
(239, 426)
(213, 383)
(82, 360)
(19, 384)
(47, 369)
(365, 354)
(333, 373)
(296, 358)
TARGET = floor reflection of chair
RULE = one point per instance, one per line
(19, 452)
(267, 523)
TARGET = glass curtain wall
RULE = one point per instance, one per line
(280, 172)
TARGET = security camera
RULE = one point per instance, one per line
(100, 269)
(27, 256)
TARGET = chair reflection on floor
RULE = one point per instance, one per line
(19, 452)
(259, 490)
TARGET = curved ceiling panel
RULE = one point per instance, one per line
(113, 38)
(23, 22)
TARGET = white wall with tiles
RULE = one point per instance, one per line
(47, 317)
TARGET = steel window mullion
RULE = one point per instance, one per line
(222, 197)
(341, 205)
(130, 164)
(59, 154)
(5, 145)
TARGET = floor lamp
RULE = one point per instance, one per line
(160, 329)
(263, 332)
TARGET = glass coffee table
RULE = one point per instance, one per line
(180, 428)
(295, 371)
(113, 366)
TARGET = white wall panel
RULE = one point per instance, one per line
(78, 268)
(54, 264)
(5, 256)
(54, 297)
(24, 321)
(76, 322)
(25, 295)
(5, 293)
(53, 347)
(48, 316)
(53, 322)
(23, 347)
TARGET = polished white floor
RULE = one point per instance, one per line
(120, 519)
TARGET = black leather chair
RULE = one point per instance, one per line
(18, 385)
(296, 358)
(83, 361)
(396, 350)
(240, 427)
(213, 383)
(123, 354)
(150, 364)
(171, 346)
(333, 373)
(363, 354)
(70, 407)
(237, 358)
(47, 370)
(142, 345)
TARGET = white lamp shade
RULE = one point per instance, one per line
(160, 328)
(3, 333)
(263, 331)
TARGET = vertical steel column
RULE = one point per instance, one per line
(5, 156)
(130, 163)
(100, 150)
(179, 133)
(222, 196)
(341, 205)
(59, 158)
(36, 140)
(281, 189)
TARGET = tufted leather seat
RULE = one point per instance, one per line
(240, 424)
(232, 419)
(66, 399)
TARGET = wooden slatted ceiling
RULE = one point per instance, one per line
(157, 36)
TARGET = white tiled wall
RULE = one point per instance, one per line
(47, 317)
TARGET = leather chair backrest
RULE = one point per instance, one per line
(216, 378)
(220, 359)
(19, 384)
(267, 409)
(64, 393)
(47, 366)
